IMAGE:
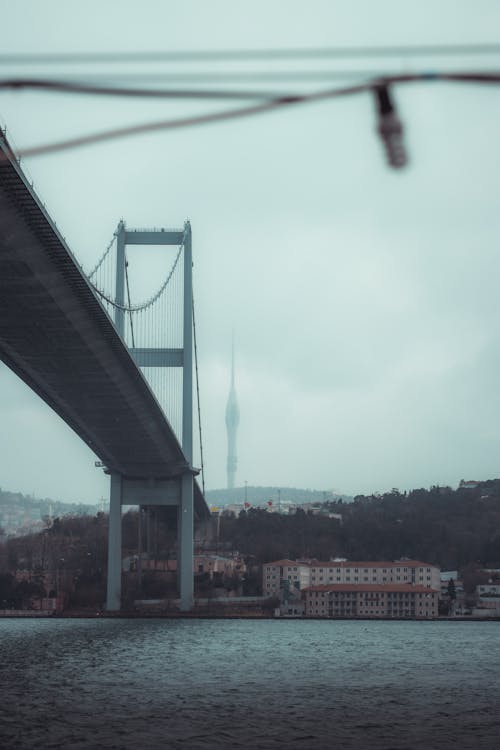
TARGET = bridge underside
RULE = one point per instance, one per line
(56, 336)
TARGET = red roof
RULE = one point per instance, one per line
(349, 564)
(283, 563)
(376, 588)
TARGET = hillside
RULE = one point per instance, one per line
(261, 495)
(23, 513)
(450, 528)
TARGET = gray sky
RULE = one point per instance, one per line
(364, 301)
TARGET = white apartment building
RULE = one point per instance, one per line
(276, 573)
(300, 574)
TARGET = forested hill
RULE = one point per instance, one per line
(451, 528)
(261, 495)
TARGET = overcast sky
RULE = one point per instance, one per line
(364, 300)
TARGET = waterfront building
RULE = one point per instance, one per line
(365, 600)
(488, 589)
(300, 574)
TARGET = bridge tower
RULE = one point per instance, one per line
(232, 422)
(152, 490)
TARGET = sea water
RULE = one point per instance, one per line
(197, 683)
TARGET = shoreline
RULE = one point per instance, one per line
(35, 615)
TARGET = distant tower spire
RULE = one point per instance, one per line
(232, 421)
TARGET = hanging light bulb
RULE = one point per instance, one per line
(390, 128)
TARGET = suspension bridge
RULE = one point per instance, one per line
(119, 374)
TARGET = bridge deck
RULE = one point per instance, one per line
(56, 336)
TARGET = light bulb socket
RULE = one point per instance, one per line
(390, 127)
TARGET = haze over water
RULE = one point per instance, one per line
(240, 683)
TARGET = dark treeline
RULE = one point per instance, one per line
(72, 550)
(449, 528)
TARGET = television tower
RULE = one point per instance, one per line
(232, 421)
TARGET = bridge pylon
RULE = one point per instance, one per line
(178, 489)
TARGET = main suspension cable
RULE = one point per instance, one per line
(129, 303)
(102, 258)
(198, 399)
(144, 305)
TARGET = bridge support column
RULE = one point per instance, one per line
(185, 543)
(114, 589)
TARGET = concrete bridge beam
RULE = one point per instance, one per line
(114, 588)
(185, 544)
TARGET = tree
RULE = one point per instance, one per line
(24, 591)
(7, 584)
(452, 593)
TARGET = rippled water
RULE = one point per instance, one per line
(249, 684)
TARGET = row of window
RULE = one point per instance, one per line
(356, 578)
(339, 570)
(366, 570)
(348, 580)
(342, 612)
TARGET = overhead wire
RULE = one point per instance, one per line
(214, 55)
(72, 86)
(260, 107)
(60, 86)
